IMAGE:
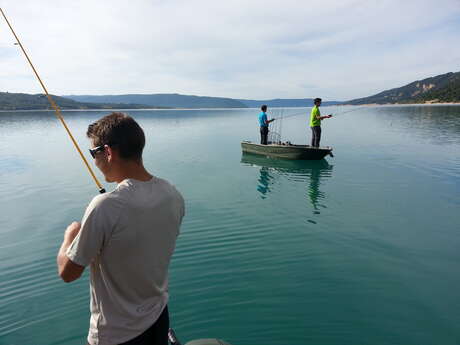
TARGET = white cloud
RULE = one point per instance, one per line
(242, 49)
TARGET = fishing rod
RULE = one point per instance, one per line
(352, 110)
(305, 113)
(55, 107)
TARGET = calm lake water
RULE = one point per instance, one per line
(362, 248)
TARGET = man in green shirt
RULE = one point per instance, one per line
(315, 122)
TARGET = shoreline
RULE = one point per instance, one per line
(166, 109)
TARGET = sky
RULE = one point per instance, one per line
(251, 49)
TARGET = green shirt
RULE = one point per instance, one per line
(313, 120)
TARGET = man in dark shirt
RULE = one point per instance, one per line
(263, 123)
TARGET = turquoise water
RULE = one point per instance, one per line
(362, 248)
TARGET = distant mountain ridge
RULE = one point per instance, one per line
(438, 89)
(285, 102)
(24, 101)
(190, 101)
(172, 100)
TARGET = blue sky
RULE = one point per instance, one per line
(336, 50)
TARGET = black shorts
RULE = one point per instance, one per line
(157, 334)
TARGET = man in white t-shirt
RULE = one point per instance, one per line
(127, 237)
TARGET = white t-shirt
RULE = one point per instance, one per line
(128, 237)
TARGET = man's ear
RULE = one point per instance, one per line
(110, 153)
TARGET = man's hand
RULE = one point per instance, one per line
(68, 270)
(71, 232)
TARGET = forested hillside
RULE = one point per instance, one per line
(442, 88)
(23, 101)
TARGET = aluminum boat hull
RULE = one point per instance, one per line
(298, 152)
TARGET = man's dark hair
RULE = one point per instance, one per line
(120, 131)
(263, 108)
(317, 100)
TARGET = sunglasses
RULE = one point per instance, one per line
(96, 149)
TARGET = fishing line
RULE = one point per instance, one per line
(55, 107)
(281, 123)
(351, 110)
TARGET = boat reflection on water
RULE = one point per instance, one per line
(309, 172)
(264, 181)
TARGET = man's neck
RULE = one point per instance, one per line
(132, 170)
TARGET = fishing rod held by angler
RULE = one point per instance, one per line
(55, 107)
(334, 115)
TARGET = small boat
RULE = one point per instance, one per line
(287, 150)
